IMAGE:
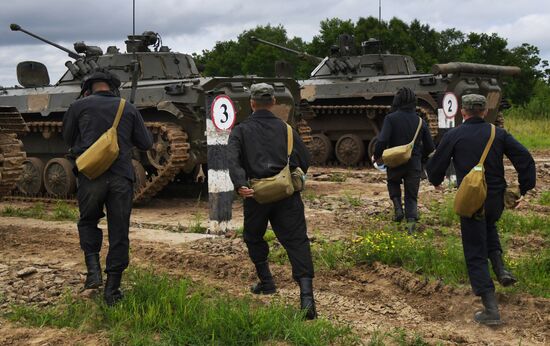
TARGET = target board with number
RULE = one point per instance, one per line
(223, 112)
(450, 105)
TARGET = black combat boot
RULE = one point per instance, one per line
(504, 277)
(398, 209)
(307, 303)
(411, 226)
(490, 315)
(93, 276)
(266, 284)
(112, 293)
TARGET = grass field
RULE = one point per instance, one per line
(533, 133)
(60, 212)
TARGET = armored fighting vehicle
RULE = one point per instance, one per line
(347, 96)
(169, 91)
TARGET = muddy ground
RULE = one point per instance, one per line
(40, 260)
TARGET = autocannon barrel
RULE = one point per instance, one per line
(303, 55)
(15, 27)
(465, 67)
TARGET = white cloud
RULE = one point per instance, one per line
(533, 28)
(191, 25)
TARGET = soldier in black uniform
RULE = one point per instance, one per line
(84, 122)
(464, 145)
(258, 149)
(399, 128)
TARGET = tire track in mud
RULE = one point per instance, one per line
(369, 298)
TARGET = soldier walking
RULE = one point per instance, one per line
(84, 122)
(399, 128)
(258, 149)
(464, 145)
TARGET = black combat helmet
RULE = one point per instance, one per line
(100, 74)
(405, 98)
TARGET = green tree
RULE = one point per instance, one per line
(330, 30)
(484, 49)
(245, 56)
(450, 44)
(520, 89)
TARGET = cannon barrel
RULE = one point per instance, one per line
(302, 55)
(466, 67)
(74, 55)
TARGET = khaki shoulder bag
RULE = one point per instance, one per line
(472, 191)
(397, 156)
(279, 186)
(97, 159)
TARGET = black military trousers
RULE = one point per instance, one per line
(289, 224)
(115, 193)
(410, 178)
(479, 238)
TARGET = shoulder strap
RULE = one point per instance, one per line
(119, 112)
(417, 130)
(488, 146)
(290, 139)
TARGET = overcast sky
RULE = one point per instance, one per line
(193, 25)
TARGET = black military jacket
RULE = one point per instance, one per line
(88, 118)
(465, 145)
(258, 149)
(398, 129)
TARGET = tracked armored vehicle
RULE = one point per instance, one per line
(169, 91)
(347, 96)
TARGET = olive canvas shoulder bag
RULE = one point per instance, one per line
(397, 156)
(472, 191)
(279, 186)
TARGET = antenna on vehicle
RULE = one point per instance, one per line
(379, 25)
(135, 64)
(134, 17)
(379, 11)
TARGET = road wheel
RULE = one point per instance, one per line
(32, 179)
(350, 149)
(320, 148)
(59, 179)
(159, 154)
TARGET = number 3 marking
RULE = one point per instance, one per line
(224, 113)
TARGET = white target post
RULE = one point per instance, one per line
(220, 119)
(447, 112)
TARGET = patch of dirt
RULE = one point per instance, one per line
(41, 260)
(367, 298)
(518, 245)
(12, 334)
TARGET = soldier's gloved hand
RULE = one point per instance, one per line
(245, 192)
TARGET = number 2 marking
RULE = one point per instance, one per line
(224, 113)
(450, 106)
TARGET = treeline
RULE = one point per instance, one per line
(424, 44)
